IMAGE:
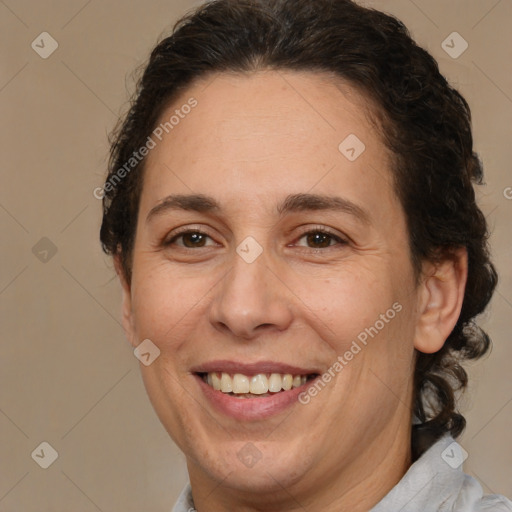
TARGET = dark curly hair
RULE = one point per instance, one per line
(423, 121)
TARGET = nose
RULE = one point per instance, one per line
(251, 299)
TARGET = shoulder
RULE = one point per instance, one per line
(496, 503)
(470, 498)
(436, 483)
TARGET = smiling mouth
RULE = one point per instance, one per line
(255, 386)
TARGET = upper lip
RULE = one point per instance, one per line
(250, 369)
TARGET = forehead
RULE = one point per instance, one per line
(260, 134)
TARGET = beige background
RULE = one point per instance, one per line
(67, 376)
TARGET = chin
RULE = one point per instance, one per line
(256, 467)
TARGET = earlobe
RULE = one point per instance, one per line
(440, 300)
(126, 313)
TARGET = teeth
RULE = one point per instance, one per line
(287, 382)
(275, 382)
(215, 381)
(226, 385)
(240, 383)
(261, 384)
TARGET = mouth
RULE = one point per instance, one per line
(252, 391)
(259, 385)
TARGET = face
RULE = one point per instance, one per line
(272, 251)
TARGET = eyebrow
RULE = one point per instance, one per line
(310, 202)
(292, 203)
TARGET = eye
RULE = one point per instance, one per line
(189, 239)
(320, 238)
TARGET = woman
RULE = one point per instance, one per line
(291, 212)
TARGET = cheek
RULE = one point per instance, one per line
(350, 301)
(367, 318)
(165, 301)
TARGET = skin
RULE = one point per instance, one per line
(252, 140)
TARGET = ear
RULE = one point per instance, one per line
(440, 300)
(126, 311)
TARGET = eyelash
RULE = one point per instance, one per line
(305, 232)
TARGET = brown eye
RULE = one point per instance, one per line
(320, 239)
(189, 240)
(193, 239)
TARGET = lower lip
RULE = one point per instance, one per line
(251, 409)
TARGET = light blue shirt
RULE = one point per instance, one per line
(434, 483)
